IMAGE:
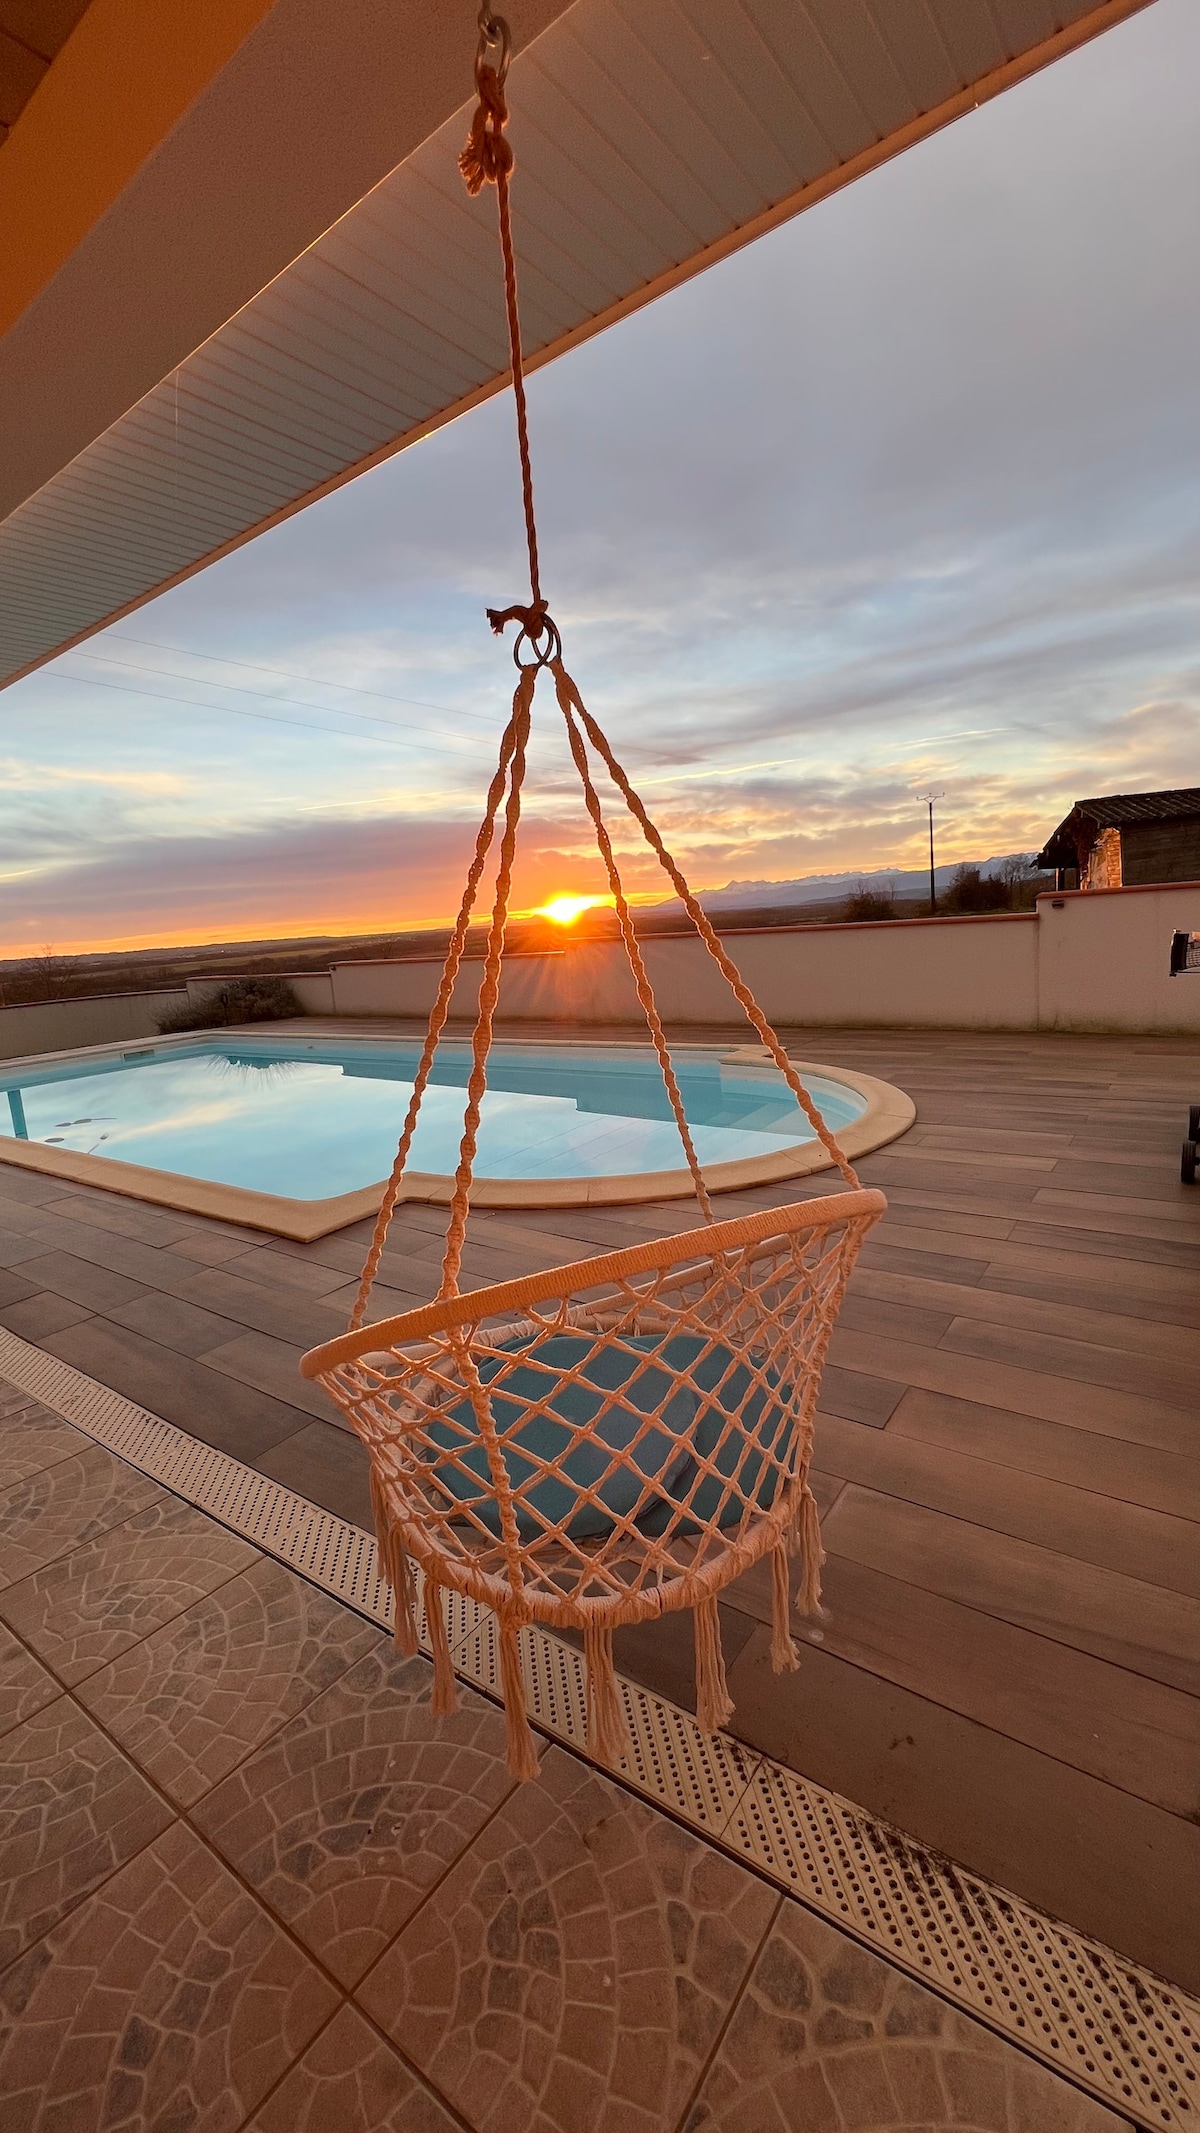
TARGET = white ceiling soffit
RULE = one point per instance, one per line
(652, 137)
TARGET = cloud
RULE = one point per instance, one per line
(32, 777)
(903, 492)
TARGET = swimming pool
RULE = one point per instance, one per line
(308, 1119)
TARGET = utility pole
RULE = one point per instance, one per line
(929, 798)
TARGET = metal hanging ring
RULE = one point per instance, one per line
(493, 31)
(544, 653)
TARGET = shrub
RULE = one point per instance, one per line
(867, 903)
(264, 999)
(970, 891)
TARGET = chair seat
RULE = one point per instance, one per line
(569, 1418)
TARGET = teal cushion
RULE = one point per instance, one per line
(663, 1465)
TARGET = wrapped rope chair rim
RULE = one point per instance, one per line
(864, 1205)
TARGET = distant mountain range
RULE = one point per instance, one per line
(822, 888)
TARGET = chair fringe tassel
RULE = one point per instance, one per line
(607, 1733)
(806, 1537)
(784, 1656)
(444, 1701)
(606, 1730)
(396, 1572)
(714, 1705)
(518, 1735)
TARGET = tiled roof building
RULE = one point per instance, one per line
(1158, 832)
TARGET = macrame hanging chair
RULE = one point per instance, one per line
(613, 1440)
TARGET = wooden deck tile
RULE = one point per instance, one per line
(1028, 1687)
(1108, 1410)
(1133, 1473)
(1136, 1624)
(1088, 1362)
(1114, 1535)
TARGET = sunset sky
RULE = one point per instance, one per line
(904, 493)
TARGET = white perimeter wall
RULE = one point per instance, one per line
(60, 1025)
(1093, 961)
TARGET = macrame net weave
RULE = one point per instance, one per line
(617, 1439)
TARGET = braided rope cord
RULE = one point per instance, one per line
(441, 1007)
(728, 969)
(489, 993)
(636, 963)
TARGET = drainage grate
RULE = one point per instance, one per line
(695, 1776)
(1107, 2025)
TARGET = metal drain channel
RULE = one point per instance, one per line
(1109, 2026)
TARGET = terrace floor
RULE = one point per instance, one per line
(1008, 1451)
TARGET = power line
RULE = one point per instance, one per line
(392, 725)
(122, 688)
(252, 666)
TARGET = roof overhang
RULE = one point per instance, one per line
(246, 268)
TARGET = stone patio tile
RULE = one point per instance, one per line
(49, 1513)
(24, 1188)
(169, 2003)
(174, 1323)
(87, 1607)
(71, 1810)
(271, 1365)
(286, 1270)
(24, 1685)
(345, 1819)
(190, 1702)
(32, 1437)
(829, 2038)
(574, 1969)
(233, 1417)
(350, 2082)
(14, 1288)
(13, 1401)
(121, 1217)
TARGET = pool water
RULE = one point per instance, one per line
(309, 1120)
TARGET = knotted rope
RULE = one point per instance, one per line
(487, 159)
(633, 951)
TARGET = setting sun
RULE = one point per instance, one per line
(564, 910)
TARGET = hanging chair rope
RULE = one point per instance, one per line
(695, 911)
(489, 993)
(488, 159)
(441, 1007)
(629, 937)
(607, 1442)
